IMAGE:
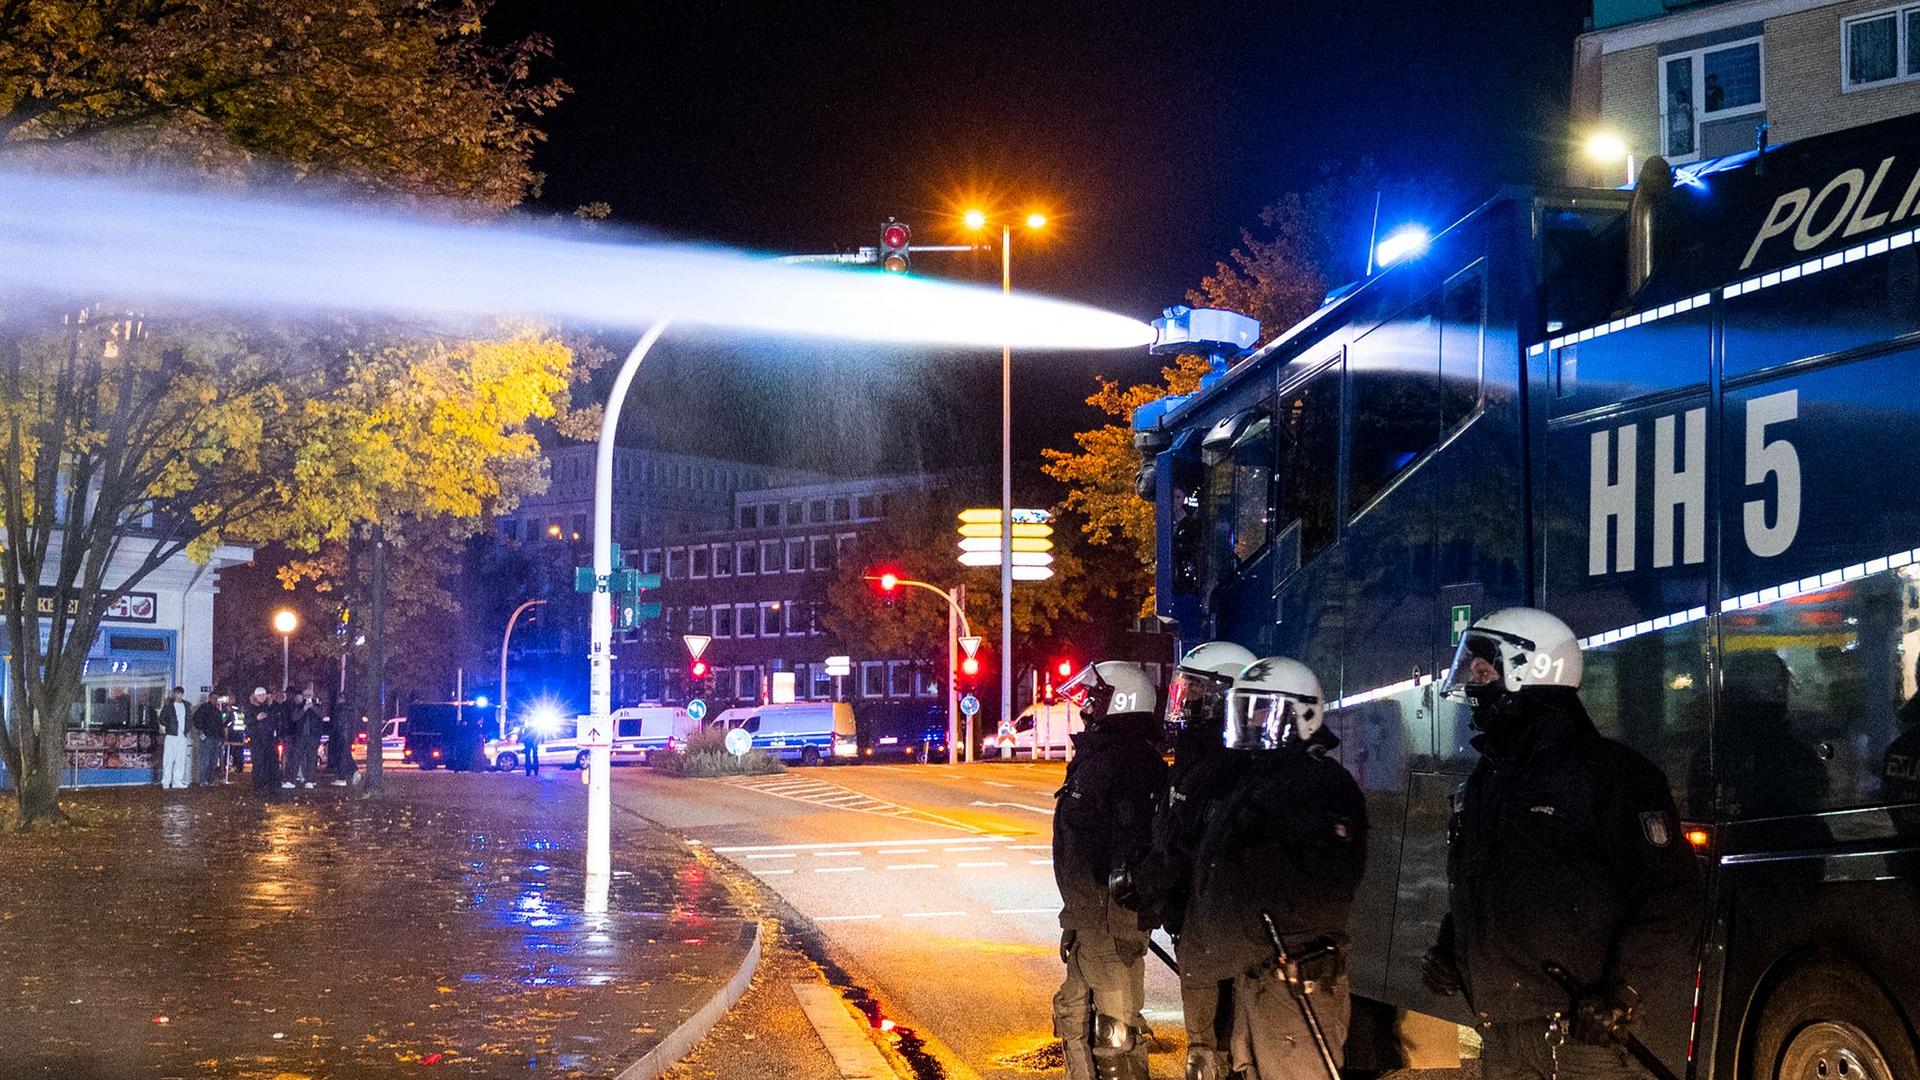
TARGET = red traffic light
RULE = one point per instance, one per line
(894, 239)
(970, 666)
(1064, 668)
(889, 582)
(698, 669)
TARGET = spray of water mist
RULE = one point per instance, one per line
(103, 236)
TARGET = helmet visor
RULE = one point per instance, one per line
(1086, 691)
(1264, 720)
(1200, 692)
(1478, 662)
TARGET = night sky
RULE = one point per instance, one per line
(1151, 133)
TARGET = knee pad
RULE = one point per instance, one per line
(1114, 1036)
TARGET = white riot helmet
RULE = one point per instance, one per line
(1510, 651)
(1202, 679)
(1275, 702)
(1110, 688)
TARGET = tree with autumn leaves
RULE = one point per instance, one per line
(131, 437)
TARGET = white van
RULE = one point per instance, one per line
(809, 732)
(1045, 726)
(637, 732)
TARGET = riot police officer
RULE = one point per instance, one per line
(1101, 822)
(1565, 850)
(1281, 855)
(1203, 771)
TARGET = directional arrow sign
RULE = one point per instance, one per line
(595, 736)
(969, 645)
(696, 644)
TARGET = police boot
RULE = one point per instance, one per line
(1117, 1051)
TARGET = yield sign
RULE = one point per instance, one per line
(696, 644)
(969, 645)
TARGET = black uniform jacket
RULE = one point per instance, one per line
(209, 720)
(1565, 847)
(1289, 840)
(1103, 815)
(1203, 772)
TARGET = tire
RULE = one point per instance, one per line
(809, 755)
(581, 759)
(1826, 1016)
(507, 761)
(427, 764)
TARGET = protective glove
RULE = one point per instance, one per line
(1067, 938)
(1440, 975)
(1603, 1012)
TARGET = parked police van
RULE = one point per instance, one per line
(1685, 422)
(638, 732)
(810, 732)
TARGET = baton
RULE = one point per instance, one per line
(1290, 975)
(1628, 1041)
(1165, 957)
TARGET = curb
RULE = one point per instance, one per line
(681, 1040)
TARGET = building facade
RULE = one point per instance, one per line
(654, 494)
(156, 637)
(1693, 80)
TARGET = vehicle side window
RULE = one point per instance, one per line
(752, 724)
(1252, 488)
(1396, 419)
(629, 727)
(1463, 324)
(1307, 433)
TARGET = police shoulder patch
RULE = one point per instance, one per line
(1654, 824)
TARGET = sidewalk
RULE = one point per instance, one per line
(204, 933)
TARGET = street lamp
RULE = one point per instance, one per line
(285, 622)
(504, 638)
(1608, 148)
(975, 220)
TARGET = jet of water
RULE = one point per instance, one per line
(98, 236)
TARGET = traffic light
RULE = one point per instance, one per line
(1063, 668)
(697, 671)
(888, 583)
(894, 240)
(970, 666)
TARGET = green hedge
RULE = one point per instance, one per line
(707, 755)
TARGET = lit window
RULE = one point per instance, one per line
(1700, 88)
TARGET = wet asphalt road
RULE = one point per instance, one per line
(936, 882)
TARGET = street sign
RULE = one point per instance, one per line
(839, 665)
(596, 734)
(969, 645)
(990, 515)
(970, 705)
(739, 741)
(583, 579)
(781, 691)
(696, 710)
(696, 644)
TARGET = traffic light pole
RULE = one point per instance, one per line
(600, 648)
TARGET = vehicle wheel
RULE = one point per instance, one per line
(427, 764)
(1826, 1018)
(507, 762)
(581, 759)
(809, 755)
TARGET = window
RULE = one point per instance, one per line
(650, 561)
(702, 561)
(900, 678)
(796, 512)
(697, 621)
(795, 617)
(1462, 334)
(723, 560)
(820, 552)
(842, 509)
(746, 557)
(770, 618)
(676, 563)
(797, 555)
(816, 511)
(1308, 437)
(1392, 369)
(750, 517)
(1881, 48)
(868, 508)
(746, 687)
(822, 682)
(1700, 87)
(746, 619)
(722, 621)
(843, 544)
(926, 682)
(873, 679)
(769, 556)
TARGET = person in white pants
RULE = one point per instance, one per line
(176, 753)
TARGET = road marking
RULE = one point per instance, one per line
(1039, 862)
(1026, 910)
(838, 869)
(786, 856)
(844, 918)
(841, 845)
(910, 851)
(771, 873)
(932, 914)
(838, 797)
(962, 850)
(1016, 806)
(915, 866)
(976, 865)
(1029, 847)
(998, 783)
(833, 855)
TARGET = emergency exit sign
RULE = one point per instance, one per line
(1461, 619)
